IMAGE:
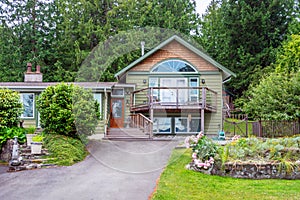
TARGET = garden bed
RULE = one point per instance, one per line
(250, 158)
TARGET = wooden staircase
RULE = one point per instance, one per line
(126, 134)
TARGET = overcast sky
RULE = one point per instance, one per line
(201, 6)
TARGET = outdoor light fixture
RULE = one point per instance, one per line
(144, 81)
(203, 81)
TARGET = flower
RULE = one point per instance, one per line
(187, 142)
(194, 155)
(200, 135)
(236, 137)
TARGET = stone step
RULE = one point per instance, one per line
(36, 160)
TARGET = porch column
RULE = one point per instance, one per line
(202, 108)
(151, 111)
(202, 120)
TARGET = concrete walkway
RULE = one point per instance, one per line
(113, 170)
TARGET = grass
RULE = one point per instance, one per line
(178, 183)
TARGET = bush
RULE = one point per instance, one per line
(68, 110)
(10, 108)
(204, 151)
(10, 133)
(64, 150)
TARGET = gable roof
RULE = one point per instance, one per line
(226, 72)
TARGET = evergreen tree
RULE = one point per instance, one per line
(244, 35)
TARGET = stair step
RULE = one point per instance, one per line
(126, 134)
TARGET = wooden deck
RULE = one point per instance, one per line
(206, 100)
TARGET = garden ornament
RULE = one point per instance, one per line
(15, 158)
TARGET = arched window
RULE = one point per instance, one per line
(173, 66)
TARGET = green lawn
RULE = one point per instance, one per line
(178, 183)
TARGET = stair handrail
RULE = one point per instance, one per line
(141, 121)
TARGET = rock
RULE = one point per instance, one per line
(7, 150)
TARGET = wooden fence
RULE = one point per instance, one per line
(272, 129)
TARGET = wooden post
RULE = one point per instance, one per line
(259, 129)
(151, 113)
(246, 126)
(202, 120)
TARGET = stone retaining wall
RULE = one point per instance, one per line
(252, 170)
(259, 171)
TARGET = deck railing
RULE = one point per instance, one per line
(174, 98)
(142, 122)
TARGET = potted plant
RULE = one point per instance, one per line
(36, 144)
(29, 135)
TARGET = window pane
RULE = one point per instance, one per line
(162, 125)
(98, 98)
(180, 125)
(117, 92)
(195, 125)
(174, 66)
(28, 103)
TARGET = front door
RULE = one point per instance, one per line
(117, 113)
(170, 95)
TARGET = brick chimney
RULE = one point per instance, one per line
(30, 76)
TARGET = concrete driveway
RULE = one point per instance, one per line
(113, 170)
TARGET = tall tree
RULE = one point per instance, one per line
(29, 33)
(169, 14)
(243, 35)
(277, 96)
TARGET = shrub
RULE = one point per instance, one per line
(204, 150)
(10, 133)
(10, 108)
(68, 110)
(64, 150)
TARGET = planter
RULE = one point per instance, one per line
(29, 138)
(36, 147)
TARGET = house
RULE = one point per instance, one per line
(173, 89)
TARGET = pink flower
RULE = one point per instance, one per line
(187, 142)
(236, 137)
(197, 161)
(200, 135)
(200, 164)
(194, 155)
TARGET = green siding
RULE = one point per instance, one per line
(138, 80)
(213, 121)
